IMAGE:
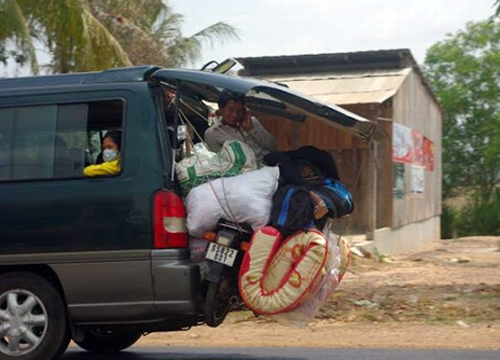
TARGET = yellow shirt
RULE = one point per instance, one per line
(106, 168)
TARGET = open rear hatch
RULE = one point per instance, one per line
(268, 97)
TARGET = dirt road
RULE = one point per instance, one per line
(447, 297)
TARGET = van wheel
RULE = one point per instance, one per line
(108, 341)
(33, 321)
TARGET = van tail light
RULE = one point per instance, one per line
(169, 217)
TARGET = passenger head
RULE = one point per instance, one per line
(111, 145)
(231, 107)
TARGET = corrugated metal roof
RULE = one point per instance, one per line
(362, 63)
(348, 88)
(377, 97)
(313, 63)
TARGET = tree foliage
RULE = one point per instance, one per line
(85, 35)
(464, 71)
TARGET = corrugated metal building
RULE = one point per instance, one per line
(398, 194)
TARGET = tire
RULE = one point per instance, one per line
(33, 320)
(108, 341)
(217, 304)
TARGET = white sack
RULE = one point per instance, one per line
(242, 198)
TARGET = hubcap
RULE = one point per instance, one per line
(23, 322)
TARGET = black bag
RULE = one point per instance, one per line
(292, 210)
(298, 166)
(337, 197)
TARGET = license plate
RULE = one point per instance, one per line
(221, 254)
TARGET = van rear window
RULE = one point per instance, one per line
(55, 141)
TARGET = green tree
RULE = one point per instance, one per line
(464, 71)
(85, 35)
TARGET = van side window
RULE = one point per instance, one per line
(53, 141)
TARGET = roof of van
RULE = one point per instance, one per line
(116, 75)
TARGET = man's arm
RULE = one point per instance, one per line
(212, 141)
(262, 137)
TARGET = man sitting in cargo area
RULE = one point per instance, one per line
(237, 123)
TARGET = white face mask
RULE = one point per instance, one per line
(109, 155)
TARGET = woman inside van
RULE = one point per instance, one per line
(111, 145)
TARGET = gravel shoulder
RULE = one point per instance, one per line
(445, 297)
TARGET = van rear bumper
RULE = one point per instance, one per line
(176, 284)
(169, 295)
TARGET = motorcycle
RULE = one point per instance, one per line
(223, 256)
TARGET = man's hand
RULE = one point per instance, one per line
(246, 121)
(170, 95)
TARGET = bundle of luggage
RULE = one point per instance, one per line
(297, 192)
(304, 207)
(227, 185)
(291, 266)
(290, 278)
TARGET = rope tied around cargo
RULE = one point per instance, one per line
(224, 203)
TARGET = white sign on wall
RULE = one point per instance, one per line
(417, 180)
(401, 143)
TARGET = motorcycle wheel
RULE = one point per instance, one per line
(217, 302)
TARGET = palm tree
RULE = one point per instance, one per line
(85, 35)
(15, 29)
(154, 34)
(66, 29)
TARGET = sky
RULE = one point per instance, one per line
(294, 27)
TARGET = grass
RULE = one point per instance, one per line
(379, 256)
(484, 296)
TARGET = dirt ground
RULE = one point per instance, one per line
(446, 297)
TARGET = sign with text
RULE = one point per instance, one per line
(399, 183)
(429, 154)
(417, 180)
(418, 148)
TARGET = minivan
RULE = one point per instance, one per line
(103, 260)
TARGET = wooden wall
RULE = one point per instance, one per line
(291, 134)
(350, 153)
(414, 107)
